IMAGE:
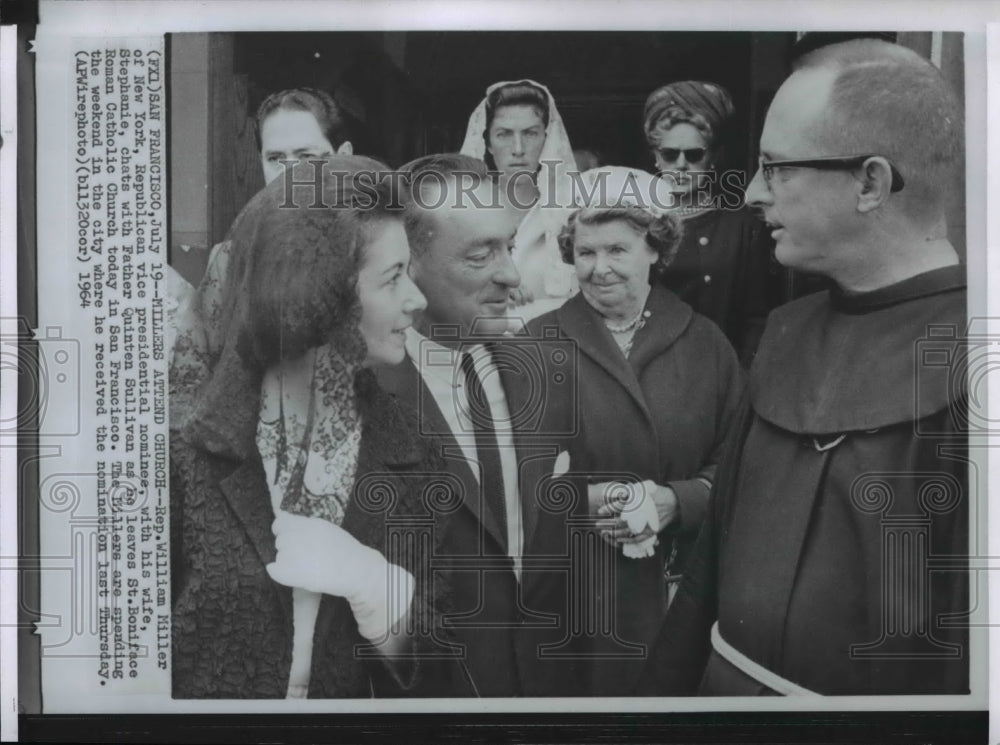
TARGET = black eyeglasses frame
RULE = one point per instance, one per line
(828, 163)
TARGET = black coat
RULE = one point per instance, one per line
(724, 269)
(232, 624)
(662, 414)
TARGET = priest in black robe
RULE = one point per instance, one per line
(834, 557)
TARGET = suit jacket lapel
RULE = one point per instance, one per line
(404, 382)
(669, 317)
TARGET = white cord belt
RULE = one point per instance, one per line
(758, 672)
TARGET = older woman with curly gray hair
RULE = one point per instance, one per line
(656, 388)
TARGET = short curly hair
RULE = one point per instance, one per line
(662, 233)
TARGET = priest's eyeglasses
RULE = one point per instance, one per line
(828, 163)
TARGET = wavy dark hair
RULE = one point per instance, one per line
(293, 281)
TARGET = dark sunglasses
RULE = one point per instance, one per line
(691, 155)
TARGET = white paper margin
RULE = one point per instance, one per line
(8, 385)
(120, 19)
(993, 311)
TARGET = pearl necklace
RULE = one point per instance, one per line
(636, 323)
(625, 335)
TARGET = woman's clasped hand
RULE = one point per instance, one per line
(632, 513)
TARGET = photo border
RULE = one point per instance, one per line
(384, 16)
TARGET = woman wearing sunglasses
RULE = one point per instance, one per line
(723, 267)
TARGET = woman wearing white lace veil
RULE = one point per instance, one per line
(518, 131)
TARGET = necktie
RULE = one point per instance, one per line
(487, 450)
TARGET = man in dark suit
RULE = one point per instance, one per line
(478, 397)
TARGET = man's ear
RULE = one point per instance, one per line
(876, 184)
(346, 148)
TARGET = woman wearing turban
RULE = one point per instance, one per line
(723, 266)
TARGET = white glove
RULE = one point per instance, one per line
(318, 556)
(561, 466)
(639, 513)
